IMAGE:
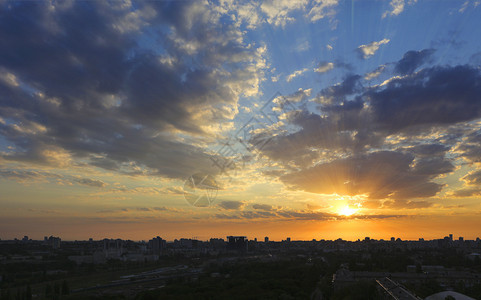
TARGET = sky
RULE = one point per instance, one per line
(308, 119)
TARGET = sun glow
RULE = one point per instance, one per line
(347, 211)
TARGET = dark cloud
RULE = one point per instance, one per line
(412, 60)
(338, 92)
(433, 166)
(429, 150)
(467, 192)
(265, 207)
(431, 97)
(380, 175)
(231, 205)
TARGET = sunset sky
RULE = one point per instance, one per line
(314, 119)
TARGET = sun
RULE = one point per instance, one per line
(347, 211)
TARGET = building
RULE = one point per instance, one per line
(157, 245)
(113, 249)
(237, 243)
(53, 242)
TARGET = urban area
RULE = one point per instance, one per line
(239, 268)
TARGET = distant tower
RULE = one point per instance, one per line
(451, 237)
(266, 239)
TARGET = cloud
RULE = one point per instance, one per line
(324, 67)
(265, 207)
(429, 151)
(321, 9)
(290, 214)
(84, 89)
(469, 192)
(27, 175)
(299, 96)
(357, 118)
(469, 148)
(91, 182)
(379, 175)
(338, 92)
(174, 190)
(231, 205)
(407, 204)
(303, 47)
(278, 12)
(130, 210)
(295, 74)
(464, 7)
(391, 141)
(368, 50)
(433, 96)
(374, 74)
(433, 166)
(30, 176)
(412, 60)
(473, 178)
(397, 7)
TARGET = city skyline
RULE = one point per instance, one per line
(309, 119)
(265, 239)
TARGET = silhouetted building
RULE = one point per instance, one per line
(54, 242)
(237, 243)
(266, 239)
(113, 249)
(157, 245)
(217, 244)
